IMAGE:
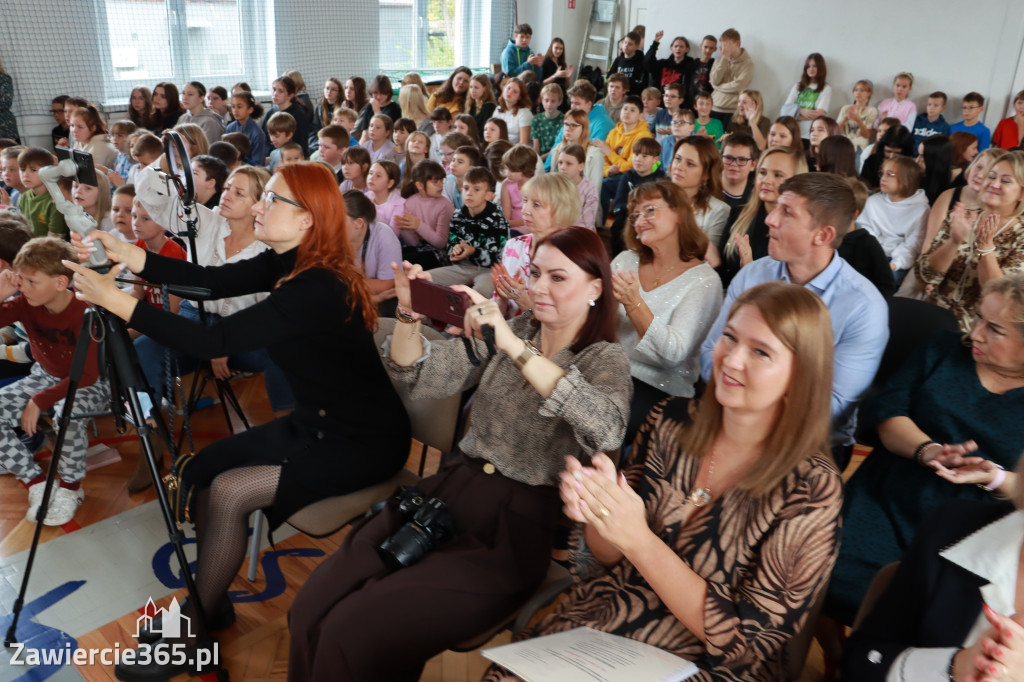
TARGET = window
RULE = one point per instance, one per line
(435, 36)
(212, 41)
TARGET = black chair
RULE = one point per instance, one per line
(911, 322)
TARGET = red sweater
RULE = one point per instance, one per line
(171, 249)
(52, 339)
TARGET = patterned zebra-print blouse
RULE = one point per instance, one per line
(765, 560)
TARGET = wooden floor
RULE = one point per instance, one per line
(256, 647)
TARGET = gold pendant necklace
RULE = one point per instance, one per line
(657, 280)
(701, 496)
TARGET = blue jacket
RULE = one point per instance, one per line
(513, 60)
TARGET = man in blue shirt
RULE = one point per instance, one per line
(582, 96)
(814, 213)
(517, 55)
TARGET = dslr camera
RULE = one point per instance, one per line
(429, 524)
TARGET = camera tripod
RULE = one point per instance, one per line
(118, 362)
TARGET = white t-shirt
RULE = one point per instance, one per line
(520, 119)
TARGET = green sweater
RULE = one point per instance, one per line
(42, 214)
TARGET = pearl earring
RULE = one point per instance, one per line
(592, 303)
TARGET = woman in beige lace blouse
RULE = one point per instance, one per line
(722, 531)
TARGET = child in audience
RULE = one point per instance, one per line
(10, 175)
(897, 214)
(973, 106)
(378, 139)
(95, 201)
(70, 105)
(332, 142)
(240, 143)
(35, 203)
(544, 126)
(618, 149)
(520, 164)
(576, 130)
(862, 251)
(449, 144)
(481, 99)
(119, 135)
(291, 152)
(494, 155)
(441, 118)
(244, 108)
(630, 63)
(821, 127)
(515, 109)
(404, 127)
(382, 184)
(15, 359)
(346, 118)
(465, 157)
(52, 316)
(931, 122)
(571, 163)
(121, 213)
(374, 245)
(868, 151)
(417, 149)
(477, 235)
(857, 119)
(355, 167)
(466, 124)
(227, 153)
(683, 125)
(785, 132)
(645, 155)
(705, 124)
(146, 149)
(281, 130)
(899, 106)
(218, 103)
(673, 99)
(651, 99)
(495, 129)
(749, 120)
(59, 131)
(89, 135)
(617, 86)
(423, 225)
(517, 56)
(152, 236)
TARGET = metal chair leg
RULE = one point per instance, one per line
(254, 544)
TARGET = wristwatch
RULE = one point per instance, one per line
(530, 351)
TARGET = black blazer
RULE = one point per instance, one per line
(931, 602)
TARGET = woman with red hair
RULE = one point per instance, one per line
(316, 324)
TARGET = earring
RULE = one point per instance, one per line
(592, 303)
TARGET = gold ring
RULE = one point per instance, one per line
(605, 513)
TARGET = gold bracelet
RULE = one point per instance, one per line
(530, 351)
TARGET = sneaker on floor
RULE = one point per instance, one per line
(63, 506)
(35, 497)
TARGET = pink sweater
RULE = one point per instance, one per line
(386, 212)
(435, 218)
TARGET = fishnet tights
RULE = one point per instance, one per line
(222, 526)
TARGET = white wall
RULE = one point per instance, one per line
(956, 46)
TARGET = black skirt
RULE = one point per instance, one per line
(318, 459)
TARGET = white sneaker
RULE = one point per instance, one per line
(35, 497)
(64, 505)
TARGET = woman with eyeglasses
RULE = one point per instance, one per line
(316, 323)
(670, 297)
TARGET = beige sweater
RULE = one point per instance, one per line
(730, 77)
(525, 436)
